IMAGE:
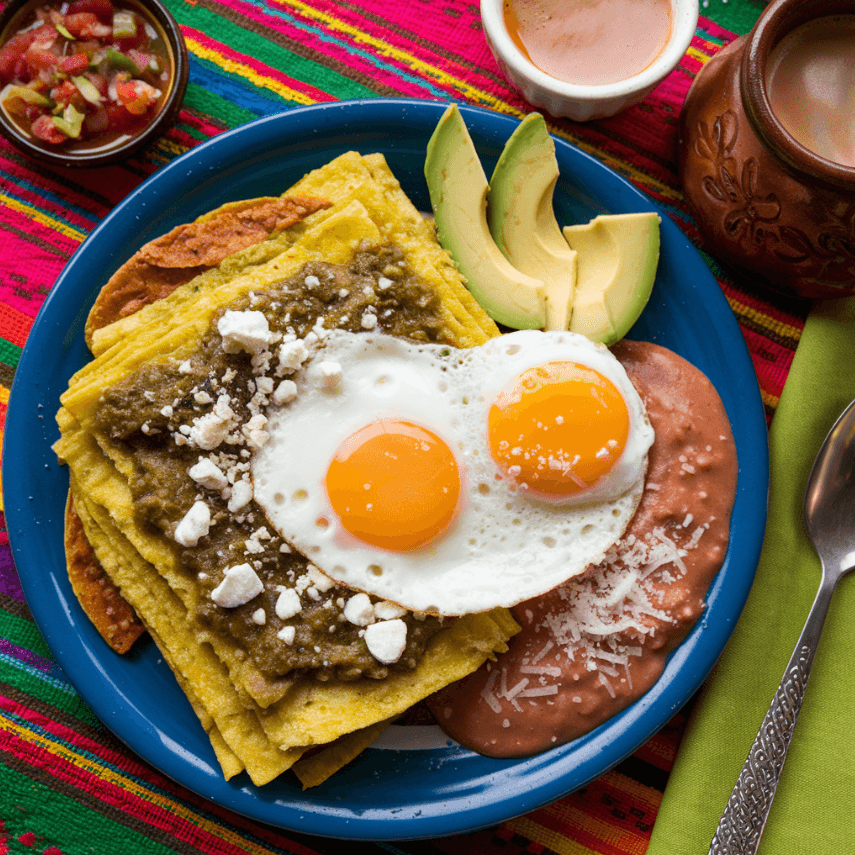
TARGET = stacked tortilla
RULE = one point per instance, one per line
(256, 722)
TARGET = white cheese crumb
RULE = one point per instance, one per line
(208, 474)
(288, 604)
(252, 546)
(254, 431)
(358, 610)
(246, 330)
(386, 640)
(259, 617)
(368, 321)
(195, 525)
(241, 496)
(239, 586)
(167, 411)
(320, 580)
(292, 354)
(318, 328)
(264, 385)
(311, 281)
(287, 634)
(209, 431)
(185, 367)
(385, 610)
(285, 392)
(329, 374)
(384, 282)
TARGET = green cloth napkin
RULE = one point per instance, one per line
(814, 809)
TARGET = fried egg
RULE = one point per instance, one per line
(453, 481)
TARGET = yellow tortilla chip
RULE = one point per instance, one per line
(198, 666)
(256, 722)
(313, 769)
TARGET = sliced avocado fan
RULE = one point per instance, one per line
(618, 255)
(522, 220)
(458, 194)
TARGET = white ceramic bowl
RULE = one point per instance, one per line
(582, 102)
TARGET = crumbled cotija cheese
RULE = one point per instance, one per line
(195, 524)
(240, 584)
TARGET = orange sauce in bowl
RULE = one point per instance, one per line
(591, 42)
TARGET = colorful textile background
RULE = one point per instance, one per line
(67, 787)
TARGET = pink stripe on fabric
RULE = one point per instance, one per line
(346, 47)
(202, 124)
(30, 262)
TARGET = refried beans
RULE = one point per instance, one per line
(597, 643)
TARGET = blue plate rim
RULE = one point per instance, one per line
(513, 787)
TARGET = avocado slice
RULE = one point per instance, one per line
(617, 259)
(458, 195)
(522, 220)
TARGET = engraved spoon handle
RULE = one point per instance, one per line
(744, 818)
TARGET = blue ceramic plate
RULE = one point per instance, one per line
(413, 784)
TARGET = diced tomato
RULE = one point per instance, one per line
(85, 25)
(74, 64)
(136, 96)
(12, 52)
(47, 131)
(103, 9)
(67, 93)
(45, 36)
(38, 60)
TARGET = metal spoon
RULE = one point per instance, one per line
(829, 512)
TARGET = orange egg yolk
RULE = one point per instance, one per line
(558, 428)
(394, 484)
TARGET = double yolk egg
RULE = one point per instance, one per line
(453, 481)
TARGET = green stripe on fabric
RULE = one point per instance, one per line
(263, 49)
(205, 101)
(45, 688)
(10, 354)
(23, 633)
(29, 805)
(738, 16)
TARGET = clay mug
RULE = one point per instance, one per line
(762, 201)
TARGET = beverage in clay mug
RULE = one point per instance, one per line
(767, 149)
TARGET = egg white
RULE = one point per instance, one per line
(504, 545)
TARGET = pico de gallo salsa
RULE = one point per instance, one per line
(84, 74)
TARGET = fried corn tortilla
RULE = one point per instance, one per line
(164, 264)
(256, 721)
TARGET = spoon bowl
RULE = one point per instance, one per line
(830, 497)
(828, 511)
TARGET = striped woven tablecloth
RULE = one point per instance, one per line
(67, 787)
